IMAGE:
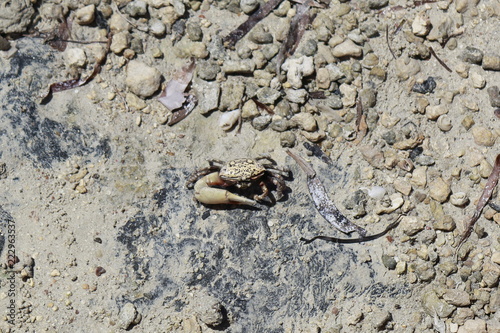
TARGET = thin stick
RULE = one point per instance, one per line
(387, 40)
(439, 60)
(483, 200)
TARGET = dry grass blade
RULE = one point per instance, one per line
(483, 200)
(231, 39)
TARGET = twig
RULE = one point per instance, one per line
(439, 60)
(387, 41)
(483, 200)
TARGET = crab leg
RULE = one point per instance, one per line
(205, 193)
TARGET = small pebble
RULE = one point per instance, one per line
(421, 25)
(85, 15)
(491, 62)
(389, 261)
(433, 112)
(305, 121)
(439, 190)
(483, 136)
(477, 80)
(141, 79)
(128, 316)
(136, 8)
(444, 123)
(347, 49)
(75, 57)
(287, 139)
(494, 94)
(260, 123)
(411, 225)
(425, 87)
(457, 297)
(472, 55)
(120, 42)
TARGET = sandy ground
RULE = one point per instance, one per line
(91, 185)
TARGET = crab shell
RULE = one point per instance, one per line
(241, 172)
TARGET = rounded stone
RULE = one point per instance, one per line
(141, 79)
(483, 136)
(439, 190)
(347, 49)
(75, 57)
(287, 139)
(85, 15)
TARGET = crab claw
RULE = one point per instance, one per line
(204, 193)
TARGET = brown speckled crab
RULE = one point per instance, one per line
(210, 183)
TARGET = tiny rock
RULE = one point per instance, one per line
(491, 62)
(349, 93)
(457, 297)
(75, 57)
(459, 199)
(439, 190)
(434, 111)
(411, 225)
(85, 15)
(483, 136)
(477, 80)
(347, 49)
(141, 79)
(305, 121)
(473, 326)
(421, 24)
(419, 176)
(396, 202)
(128, 316)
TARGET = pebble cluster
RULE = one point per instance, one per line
(415, 154)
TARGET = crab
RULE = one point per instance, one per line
(210, 183)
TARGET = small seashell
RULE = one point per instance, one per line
(229, 118)
(459, 199)
(444, 123)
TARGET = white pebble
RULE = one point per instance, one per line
(228, 119)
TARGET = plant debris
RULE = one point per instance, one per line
(231, 39)
(361, 125)
(441, 62)
(174, 97)
(483, 200)
(323, 203)
(297, 29)
(74, 83)
(59, 40)
(316, 151)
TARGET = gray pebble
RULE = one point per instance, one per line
(377, 4)
(457, 297)
(380, 319)
(194, 32)
(128, 316)
(259, 36)
(389, 261)
(280, 125)
(269, 51)
(287, 139)
(283, 109)
(296, 95)
(136, 45)
(331, 102)
(389, 137)
(267, 95)
(216, 48)
(136, 8)
(260, 123)
(491, 277)
(246, 66)
(448, 267)
(4, 44)
(494, 94)
(368, 98)
(232, 92)
(210, 92)
(244, 51)
(309, 48)
(207, 70)
(472, 55)
(435, 306)
(425, 271)
(424, 160)
(248, 6)
(157, 27)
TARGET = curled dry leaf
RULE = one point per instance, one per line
(173, 96)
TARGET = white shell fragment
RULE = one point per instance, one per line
(375, 192)
(228, 119)
(459, 199)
